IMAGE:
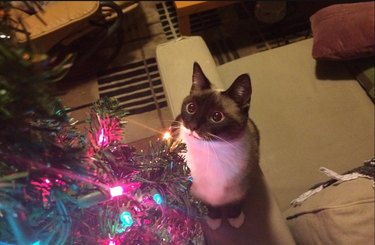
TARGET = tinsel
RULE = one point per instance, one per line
(57, 185)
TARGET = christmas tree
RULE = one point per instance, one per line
(62, 186)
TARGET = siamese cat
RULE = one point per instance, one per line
(222, 146)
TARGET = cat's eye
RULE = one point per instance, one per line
(217, 116)
(191, 108)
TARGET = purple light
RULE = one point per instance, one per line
(116, 191)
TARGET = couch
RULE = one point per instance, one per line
(308, 117)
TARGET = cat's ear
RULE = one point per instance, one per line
(200, 81)
(240, 91)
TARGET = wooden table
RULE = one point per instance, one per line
(186, 8)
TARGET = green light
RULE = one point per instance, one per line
(126, 218)
(157, 198)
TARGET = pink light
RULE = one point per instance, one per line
(47, 181)
(132, 186)
(116, 191)
(103, 139)
(111, 242)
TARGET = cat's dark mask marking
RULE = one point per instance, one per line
(240, 91)
(200, 81)
(201, 109)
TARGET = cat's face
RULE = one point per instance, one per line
(216, 115)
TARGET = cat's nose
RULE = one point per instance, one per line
(193, 126)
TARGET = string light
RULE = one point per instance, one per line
(132, 186)
(167, 135)
(126, 221)
(3, 36)
(126, 218)
(88, 182)
(111, 242)
(120, 190)
(116, 191)
(103, 139)
(157, 198)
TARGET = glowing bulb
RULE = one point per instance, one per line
(167, 135)
(47, 181)
(103, 139)
(126, 218)
(111, 242)
(157, 198)
(3, 36)
(116, 191)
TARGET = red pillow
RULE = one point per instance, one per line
(344, 31)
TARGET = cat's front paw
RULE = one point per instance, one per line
(214, 224)
(238, 221)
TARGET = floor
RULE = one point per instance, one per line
(133, 77)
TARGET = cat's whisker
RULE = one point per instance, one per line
(206, 144)
(174, 125)
(174, 129)
(170, 120)
(173, 121)
(144, 126)
(221, 139)
(213, 149)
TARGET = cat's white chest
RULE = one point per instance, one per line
(216, 167)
